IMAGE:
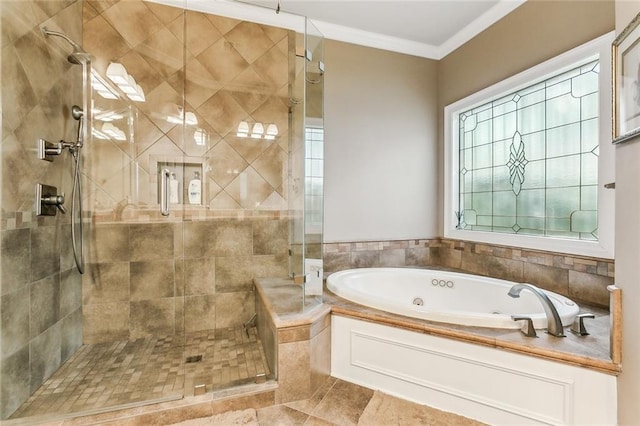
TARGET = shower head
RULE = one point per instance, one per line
(78, 55)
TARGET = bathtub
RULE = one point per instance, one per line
(445, 296)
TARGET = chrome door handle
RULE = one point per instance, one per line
(164, 192)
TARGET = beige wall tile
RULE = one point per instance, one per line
(152, 317)
(589, 288)
(44, 356)
(320, 358)
(152, 280)
(200, 276)
(549, 278)
(196, 238)
(70, 334)
(100, 38)
(294, 334)
(151, 241)
(237, 273)
(106, 322)
(334, 262)
(14, 317)
(15, 380)
(270, 237)
(365, 259)
(199, 313)
(293, 372)
(231, 238)
(125, 17)
(70, 292)
(109, 243)
(418, 256)
(45, 252)
(44, 298)
(16, 259)
(105, 283)
(392, 257)
(234, 308)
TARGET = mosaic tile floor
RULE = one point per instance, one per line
(148, 369)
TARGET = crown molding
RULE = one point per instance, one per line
(376, 40)
(481, 23)
(267, 16)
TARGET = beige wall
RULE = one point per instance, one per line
(628, 254)
(380, 145)
(534, 32)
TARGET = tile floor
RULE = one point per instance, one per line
(339, 402)
(127, 372)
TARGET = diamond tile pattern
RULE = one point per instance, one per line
(235, 71)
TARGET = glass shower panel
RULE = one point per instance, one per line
(133, 302)
(234, 190)
(297, 90)
(306, 160)
(314, 160)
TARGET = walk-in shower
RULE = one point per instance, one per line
(165, 305)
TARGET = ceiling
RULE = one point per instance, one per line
(426, 28)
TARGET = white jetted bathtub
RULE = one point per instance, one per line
(444, 296)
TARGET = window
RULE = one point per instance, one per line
(314, 177)
(528, 158)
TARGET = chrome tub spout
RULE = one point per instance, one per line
(554, 323)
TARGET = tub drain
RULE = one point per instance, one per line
(418, 301)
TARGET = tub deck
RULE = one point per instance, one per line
(590, 351)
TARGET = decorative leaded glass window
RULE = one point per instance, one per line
(529, 160)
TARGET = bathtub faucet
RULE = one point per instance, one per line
(554, 324)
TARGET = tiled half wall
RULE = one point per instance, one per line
(583, 279)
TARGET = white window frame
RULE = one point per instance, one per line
(599, 48)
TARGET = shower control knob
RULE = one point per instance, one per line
(55, 200)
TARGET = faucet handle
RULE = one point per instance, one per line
(527, 327)
(578, 324)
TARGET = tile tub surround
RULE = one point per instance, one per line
(582, 279)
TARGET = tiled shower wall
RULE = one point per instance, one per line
(162, 278)
(40, 290)
(580, 278)
(150, 275)
(232, 71)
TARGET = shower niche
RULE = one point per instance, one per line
(186, 182)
